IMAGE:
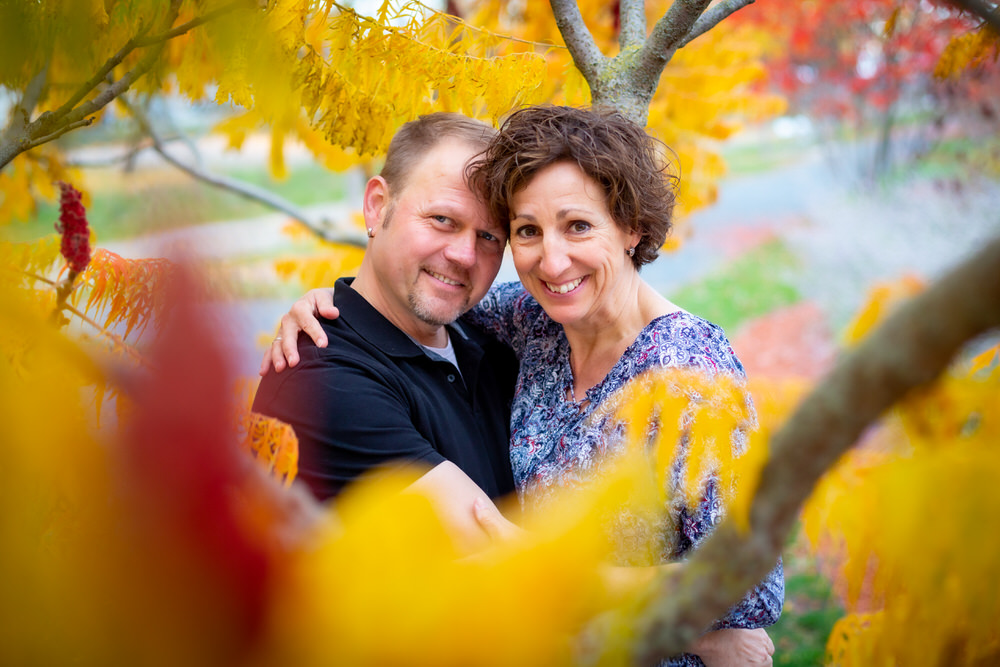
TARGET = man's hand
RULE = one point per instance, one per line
(495, 524)
(302, 317)
(734, 646)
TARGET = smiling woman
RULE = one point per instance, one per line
(589, 201)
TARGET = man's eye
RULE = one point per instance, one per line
(487, 236)
(441, 218)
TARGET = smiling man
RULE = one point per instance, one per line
(402, 378)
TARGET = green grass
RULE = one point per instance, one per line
(959, 158)
(128, 205)
(810, 612)
(750, 286)
(753, 157)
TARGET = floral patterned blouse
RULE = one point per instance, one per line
(557, 442)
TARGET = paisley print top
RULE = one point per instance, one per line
(558, 442)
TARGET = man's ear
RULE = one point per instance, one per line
(376, 202)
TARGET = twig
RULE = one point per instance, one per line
(984, 10)
(669, 32)
(193, 23)
(239, 187)
(712, 17)
(84, 122)
(115, 338)
(94, 81)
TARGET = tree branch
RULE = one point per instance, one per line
(193, 23)
(586, 56)
(668, 33)
(113, 337)
(28, 145)
(52, 124)
(632, 19)
(912, 348)
(32, 93)
(712, 17)
(94, 81)
(985, 10)
(238, 187)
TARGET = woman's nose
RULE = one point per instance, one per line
(554, 260)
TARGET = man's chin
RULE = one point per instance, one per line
(437, 314)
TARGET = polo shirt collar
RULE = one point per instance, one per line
(374, 327)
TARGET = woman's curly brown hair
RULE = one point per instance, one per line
(618, 154)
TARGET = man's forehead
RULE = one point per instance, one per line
(442, 165)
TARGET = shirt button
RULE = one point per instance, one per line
(451, 377)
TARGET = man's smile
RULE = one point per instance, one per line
(443, 278)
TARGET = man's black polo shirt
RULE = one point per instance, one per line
(373, 396)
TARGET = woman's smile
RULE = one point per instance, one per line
(563, 288)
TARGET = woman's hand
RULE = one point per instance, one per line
(302, 317)
(734, 647)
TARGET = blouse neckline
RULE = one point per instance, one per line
(595, 395)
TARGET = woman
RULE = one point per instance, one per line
(589, 203)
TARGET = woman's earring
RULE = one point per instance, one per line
(371, 233)
(630, 252)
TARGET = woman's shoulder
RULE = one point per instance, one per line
(685, 339)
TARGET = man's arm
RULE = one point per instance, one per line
(459, 502)
(350, 418)
(284, 350)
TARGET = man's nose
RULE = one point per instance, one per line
(461, 250)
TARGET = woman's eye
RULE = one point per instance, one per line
(580, 226)
(525, 232)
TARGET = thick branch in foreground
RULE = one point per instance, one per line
(245, 190)
(912, 348)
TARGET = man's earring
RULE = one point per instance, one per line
(371, 233)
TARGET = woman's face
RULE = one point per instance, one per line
(568, 251)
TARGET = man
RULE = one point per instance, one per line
(401, 379)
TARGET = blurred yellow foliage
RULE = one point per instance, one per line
(881, 299)
(104, 569)
(904, 518)
(714, 419)
(967, 51)
(321, 270)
